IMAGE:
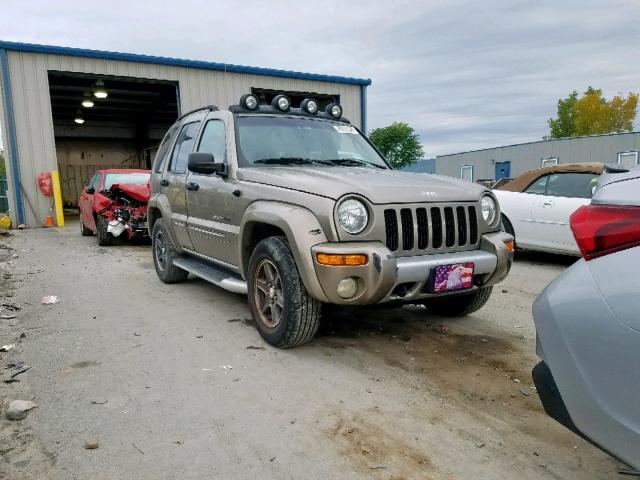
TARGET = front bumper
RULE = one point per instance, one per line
(386, 278)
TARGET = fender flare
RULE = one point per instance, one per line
(300, 226)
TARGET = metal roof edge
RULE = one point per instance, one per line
(539, 141)
(177, 62)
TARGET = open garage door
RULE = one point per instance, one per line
(106, 122)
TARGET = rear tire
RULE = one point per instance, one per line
(84, 231)
(459, 305)
(104, 238)
(285, 314)
(163, 254)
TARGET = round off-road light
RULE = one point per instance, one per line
(334, 110)
(489, 210)
(282, 103)
(249, 101)
(347, 287)
(309, 105)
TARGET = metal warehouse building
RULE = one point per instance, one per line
(79, 110)
(513, 160)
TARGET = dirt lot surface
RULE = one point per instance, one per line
(173, 381)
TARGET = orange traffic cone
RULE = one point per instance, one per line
(48, 221)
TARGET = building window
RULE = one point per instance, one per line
(466, 173)
(628, 159)
(549, 162)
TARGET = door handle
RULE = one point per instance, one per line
(548, 203)
(192, 186)
(164, 183)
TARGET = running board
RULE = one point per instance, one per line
(211, 273)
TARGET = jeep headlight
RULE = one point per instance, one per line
(353, 216)
(489, 210)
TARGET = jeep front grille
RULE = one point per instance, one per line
(420, 230)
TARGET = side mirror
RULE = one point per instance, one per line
(90, 190)
(203, 162)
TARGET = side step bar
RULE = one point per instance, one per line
(212, 273)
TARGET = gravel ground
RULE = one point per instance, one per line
(173, 381)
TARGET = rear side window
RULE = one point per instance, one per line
(571, 185)
(213, 139)
(184, 146)
(164, 149)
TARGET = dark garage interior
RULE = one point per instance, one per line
(106, 122)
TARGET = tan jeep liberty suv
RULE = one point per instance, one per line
(296, 208)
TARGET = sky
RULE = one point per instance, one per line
(464, 74)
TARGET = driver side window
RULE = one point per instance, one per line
(213, 140)
(539, 187)
(94, 182)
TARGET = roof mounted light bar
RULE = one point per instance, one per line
(282, 104)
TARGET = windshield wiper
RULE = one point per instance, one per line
(290, 161)
(353, 162)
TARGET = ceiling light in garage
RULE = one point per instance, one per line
(100, 91)
(86, 101)
(79, 118)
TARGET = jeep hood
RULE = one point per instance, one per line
(379, 186)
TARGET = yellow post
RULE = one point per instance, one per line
(57, 197)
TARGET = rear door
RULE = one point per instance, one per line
(172, 184)
(210, 201)
(565, 193)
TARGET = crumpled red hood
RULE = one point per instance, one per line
(137, 192)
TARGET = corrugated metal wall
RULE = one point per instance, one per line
(34, 125)
(523, 157)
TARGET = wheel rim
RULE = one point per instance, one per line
(161, 250)
(268, 293)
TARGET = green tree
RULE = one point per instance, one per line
(564, 125)
(399, 143)
(593, 114)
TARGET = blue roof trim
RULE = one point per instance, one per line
(177, 62)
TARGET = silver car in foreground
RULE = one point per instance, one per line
(588, 324)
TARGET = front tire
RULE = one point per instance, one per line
(163, 254)
(84, 231)
(104, 238)
(285, 314)
(459, 305)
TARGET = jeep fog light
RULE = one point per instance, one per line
(282, 103)
(309, 105)
(347, 287)
(249, 101)
(334, 110)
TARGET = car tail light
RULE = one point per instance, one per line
(603, 229)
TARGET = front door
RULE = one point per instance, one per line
(565, 193)
(503, 170)
(173, 182)
(86, 202)
(210, 201)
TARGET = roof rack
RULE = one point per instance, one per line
(211, 108)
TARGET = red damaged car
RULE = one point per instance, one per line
(114, 203)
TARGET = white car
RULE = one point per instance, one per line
(537, 205)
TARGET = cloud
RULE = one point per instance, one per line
(464, 74)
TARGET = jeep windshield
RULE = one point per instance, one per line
(270, 140)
